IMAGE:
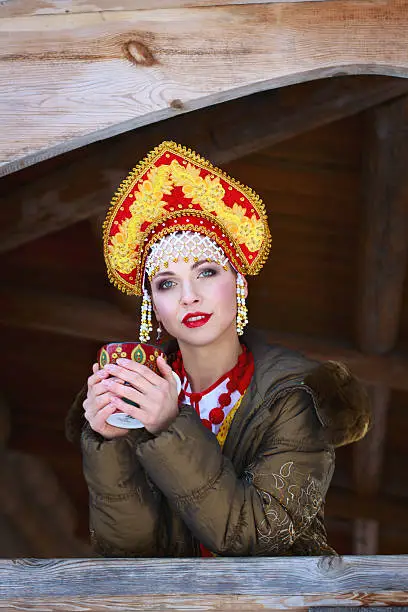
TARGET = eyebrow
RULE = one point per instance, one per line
(193, 267)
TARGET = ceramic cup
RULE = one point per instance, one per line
(143, 353)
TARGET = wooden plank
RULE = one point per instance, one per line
(384, 247)
(19, 8)
(70, 79)
(99, 320)
(257, 577)
(358, 609)
(215, 603)
(64, 191)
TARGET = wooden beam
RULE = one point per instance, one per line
(20, 8)
(102, 321)
(384, 601)
(239, 584)
(70, 79)
(63, 191)
(384, 245)
(382, 267)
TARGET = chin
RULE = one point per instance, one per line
(204, 335)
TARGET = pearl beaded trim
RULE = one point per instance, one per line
(183, 245)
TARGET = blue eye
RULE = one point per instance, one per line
(208, 272)
(166, 284)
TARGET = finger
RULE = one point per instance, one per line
(132, 378)
(101, 387)
(166, 371)
(93, 405)
(141, 370)
(95, 368)
(100, 418)
(97, 377)
(127, 391)
(133, 411)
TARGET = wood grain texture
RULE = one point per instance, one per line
(384, 246)
(215, 603)
(61, 193)
(70, 79)
(357, 609)
(18, 8)
(259, 577)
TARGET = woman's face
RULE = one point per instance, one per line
(196, 302)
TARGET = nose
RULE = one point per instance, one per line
(188, 295)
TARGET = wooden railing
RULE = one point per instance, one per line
(296, 583)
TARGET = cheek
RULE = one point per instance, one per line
(165, 306)
(226, 294)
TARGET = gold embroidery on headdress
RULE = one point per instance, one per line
(174, 189)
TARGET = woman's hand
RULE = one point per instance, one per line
(98, 405)
(155, 395)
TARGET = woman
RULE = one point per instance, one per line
(240, 461)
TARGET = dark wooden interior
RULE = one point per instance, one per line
(329, 158)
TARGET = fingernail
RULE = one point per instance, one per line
(110, 367)
(121, 361)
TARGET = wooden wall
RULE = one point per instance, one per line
(311, 185)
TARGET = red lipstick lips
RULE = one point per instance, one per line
(196, 319)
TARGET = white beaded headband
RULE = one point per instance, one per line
(183, 246)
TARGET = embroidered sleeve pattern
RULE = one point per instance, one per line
(299, 498)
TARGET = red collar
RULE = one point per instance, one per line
(239, 378)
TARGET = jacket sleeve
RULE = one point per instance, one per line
(124, 507)
(260, 512)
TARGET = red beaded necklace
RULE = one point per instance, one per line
(239, 378)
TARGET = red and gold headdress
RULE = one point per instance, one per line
(173, 189)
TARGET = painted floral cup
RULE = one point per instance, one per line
(141, 352)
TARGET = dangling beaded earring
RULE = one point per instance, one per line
(242, 311)
(146, 323)
(159, 333)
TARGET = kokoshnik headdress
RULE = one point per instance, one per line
(175, 190)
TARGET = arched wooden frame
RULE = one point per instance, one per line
(72, 72)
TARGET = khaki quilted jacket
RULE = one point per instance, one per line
(261, 494)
